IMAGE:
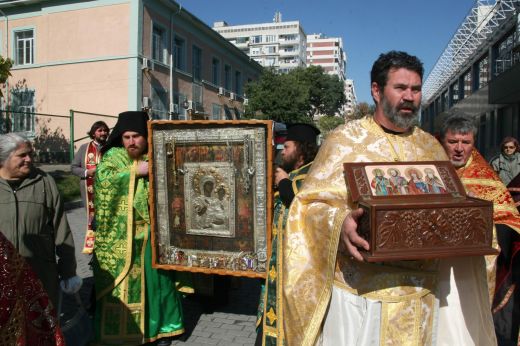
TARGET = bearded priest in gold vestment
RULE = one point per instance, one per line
(330, 295)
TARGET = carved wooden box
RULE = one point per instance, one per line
(418, 210)
(211, 196)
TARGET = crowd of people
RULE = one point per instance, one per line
(319, 290)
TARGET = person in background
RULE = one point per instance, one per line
(135, 302)
(331, 296)
(507, 163)
(458, 135)
(84, 166)
(32, 217)
(299, 150)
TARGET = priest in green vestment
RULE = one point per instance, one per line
(299, 150)
(135, 303)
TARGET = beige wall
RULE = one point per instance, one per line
(81, 63)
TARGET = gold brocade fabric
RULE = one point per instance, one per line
(310, 249)
(479, 178)
(483, 182)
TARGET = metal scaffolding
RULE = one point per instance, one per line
(483, 20)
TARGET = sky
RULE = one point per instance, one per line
(367, 27)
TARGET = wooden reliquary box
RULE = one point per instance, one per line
(211, 196)
(418, 210)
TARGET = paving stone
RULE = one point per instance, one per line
(232, 324)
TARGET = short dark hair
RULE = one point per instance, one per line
(307, 150)
(394, 60)
(507, 140)
(96, 126)
(459, 123)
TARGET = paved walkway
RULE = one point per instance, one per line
(228, 319)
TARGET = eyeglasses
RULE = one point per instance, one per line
(509, 147)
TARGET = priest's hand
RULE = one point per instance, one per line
(350, 236)
(142, 168)
(279, 175)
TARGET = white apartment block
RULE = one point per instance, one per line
(281, 45)
(328, 53)
(350, 96)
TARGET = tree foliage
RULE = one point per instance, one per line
(5, 68)
(328, 123)
(296, 96)
(362, 109)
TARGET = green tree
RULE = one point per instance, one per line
(327, 123)
(5, 68)
(362, 109)
(294, 97)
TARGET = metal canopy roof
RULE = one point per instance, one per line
(482, 21)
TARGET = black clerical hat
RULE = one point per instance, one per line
(302, 132)
(128, 121)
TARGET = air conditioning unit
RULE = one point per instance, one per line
(146, 102)
(147, 64)
(232, 96)
(221, 91)
(246, 102)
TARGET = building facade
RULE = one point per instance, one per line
(115, 55)
(350, 97)
(328, 53)
(478, 74)
(279, 45)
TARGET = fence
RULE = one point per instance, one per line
(53, 135)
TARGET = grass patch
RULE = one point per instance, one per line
(68, 185)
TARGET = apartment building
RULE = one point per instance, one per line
(328, 53)
(350, 97)
(280, 45)
(115, 55)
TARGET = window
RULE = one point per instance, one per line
(160, 104)
(159, 51)
(196, 64)
(256, 39)
(24, 52)
(227, 77)
(179, 99)
(22, 102)
(445, 101)
(270, 38)
(483, 74)
(270, 61)
(196, 95)
(215, 71)
(179, 53)
(467, 84)
(227, 112)
(216, 112)
(454, 93)
(238, 82)
(271, 49)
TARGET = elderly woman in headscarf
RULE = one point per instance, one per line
(32, 217)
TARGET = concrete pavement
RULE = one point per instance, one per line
(226, 320)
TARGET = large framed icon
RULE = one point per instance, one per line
(211, 196)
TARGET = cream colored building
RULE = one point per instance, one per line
(108, 56)
(280, 45)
